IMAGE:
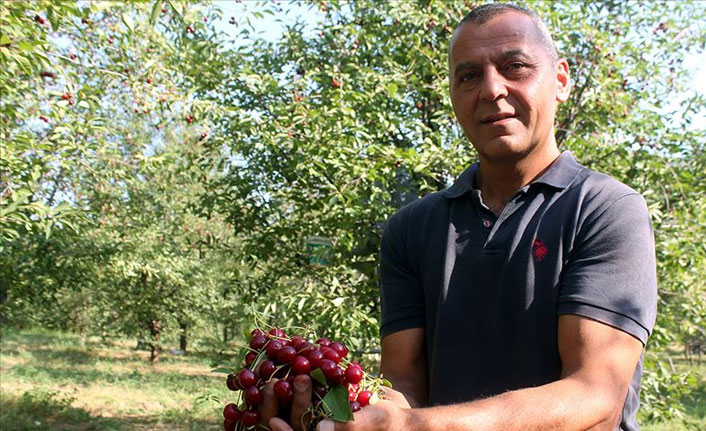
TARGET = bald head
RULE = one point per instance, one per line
(484, 13)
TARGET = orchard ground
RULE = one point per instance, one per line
(49, 381)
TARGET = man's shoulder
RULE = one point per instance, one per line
(421, 209)
(598, 191)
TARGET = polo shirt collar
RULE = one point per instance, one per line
(463, 184)
(560, 174)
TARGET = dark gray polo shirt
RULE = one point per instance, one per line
(488, 290)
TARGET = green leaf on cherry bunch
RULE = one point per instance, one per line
(336, 403)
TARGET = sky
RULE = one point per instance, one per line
(271, 30)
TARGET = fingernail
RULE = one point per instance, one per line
(325, 425)
(299, 385)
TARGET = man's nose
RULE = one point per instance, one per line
(493, 85)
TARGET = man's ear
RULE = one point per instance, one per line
(563, 80)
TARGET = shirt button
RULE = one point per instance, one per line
(487, 223)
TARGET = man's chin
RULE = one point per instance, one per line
(502, 148)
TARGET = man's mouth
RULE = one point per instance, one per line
(496, 118)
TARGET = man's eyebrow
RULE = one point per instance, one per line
(466, 65)
(513, 53)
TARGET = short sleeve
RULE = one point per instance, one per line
(401, 293)
(611, 273)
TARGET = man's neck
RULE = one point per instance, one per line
(498, 182)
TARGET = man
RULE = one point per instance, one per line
(521, 297)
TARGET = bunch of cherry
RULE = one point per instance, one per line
(274, 355)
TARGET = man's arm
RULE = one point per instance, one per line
(404, 364)
(598, 362)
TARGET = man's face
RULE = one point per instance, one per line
(505, 86)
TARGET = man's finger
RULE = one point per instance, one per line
(269, 406)
(277, 424)
(301, 403)
(325, 425)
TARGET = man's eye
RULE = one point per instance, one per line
(468, 77)
(515, 66)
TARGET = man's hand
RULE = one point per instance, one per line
(387, 414)
(390, 413)
(299, 420)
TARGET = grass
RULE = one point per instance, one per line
(49, 381)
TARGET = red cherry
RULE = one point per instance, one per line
(250, 418)
(315, 358)
(364, 398)
(328, 367)
(320, 390)
(283, 391)
(253, 396)
(246, 378)
(148, 80)
(352, 395)
(249, 357)
(276, 333)
(323, 342)
(257, 342)
(355, 406)
(255, 331)
(232, 382)
(267, 369)
(301, 365)
(335, 83)
(286, 355)
(228, 425)
(294, 342)
(339, 348)
(354, 374)
(231, 412)
(39, 19)
(331, 354)
(272, 348)
(305, 347)
(337, 377)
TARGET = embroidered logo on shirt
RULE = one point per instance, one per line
(539, 250)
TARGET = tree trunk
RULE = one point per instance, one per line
(3, 301)
(83, 337)
(155, 330)
(182, 336)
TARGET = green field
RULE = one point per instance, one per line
(49, 381)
